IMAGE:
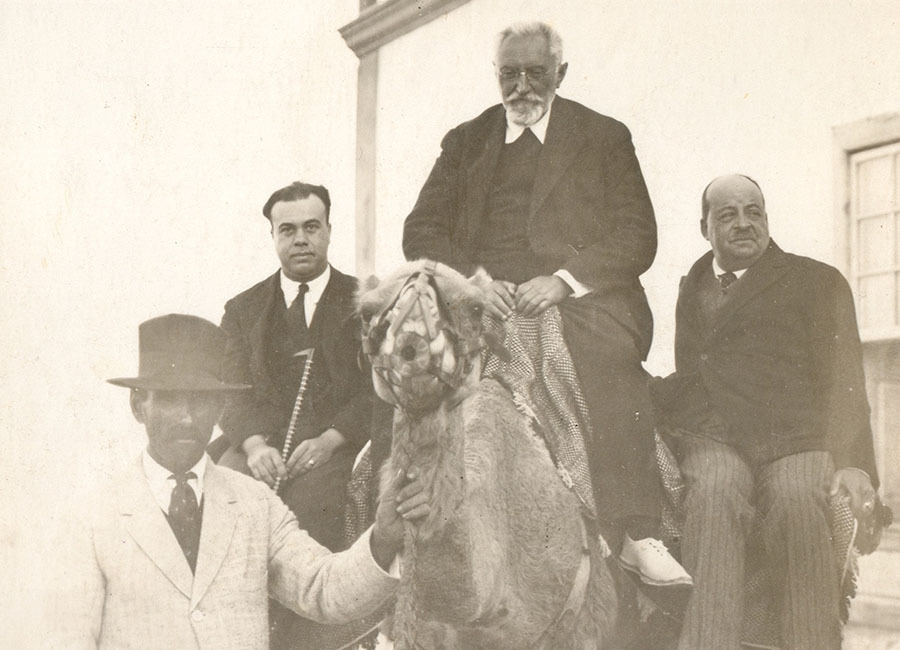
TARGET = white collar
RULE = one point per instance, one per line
(161, 481)
(539, 128)
(718, 270)
(316, 287)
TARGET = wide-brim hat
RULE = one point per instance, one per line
(179, 352)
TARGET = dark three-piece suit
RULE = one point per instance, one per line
(337, 395)
(260, 351)
(577, 202)
(769, 398)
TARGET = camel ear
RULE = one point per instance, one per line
(481, 279)
(369, 283)
(495, 345)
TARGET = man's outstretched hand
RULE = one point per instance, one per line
(406, 499)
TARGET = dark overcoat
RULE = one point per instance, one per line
(338, 394)
(590, 214)
(780, 363)
(590, 211)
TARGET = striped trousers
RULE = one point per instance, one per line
(786, 501)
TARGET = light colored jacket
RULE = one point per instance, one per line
(125, 583)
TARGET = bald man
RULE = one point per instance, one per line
(769, 394)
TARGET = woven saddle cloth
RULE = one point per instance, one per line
(541, 378)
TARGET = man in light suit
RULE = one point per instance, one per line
(548, 196)
(180, 553)
(769, 397)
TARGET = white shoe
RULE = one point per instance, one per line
(650, 559)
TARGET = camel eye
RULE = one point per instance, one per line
(366, 314)
(476, 311)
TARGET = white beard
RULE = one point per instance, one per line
(527, 113)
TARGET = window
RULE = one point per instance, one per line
(887, 442)
(867, 248)
(874, 210)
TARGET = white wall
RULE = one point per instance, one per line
(139, 142)
(141, 139)
(706, 88)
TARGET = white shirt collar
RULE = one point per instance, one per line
(316, 288)
(718, 270)
(539, 128)
(161, 482)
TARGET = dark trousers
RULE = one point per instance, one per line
(621, 452)
(787, 500)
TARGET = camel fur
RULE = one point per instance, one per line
(493, 565)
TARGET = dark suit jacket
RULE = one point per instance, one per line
(337, 394)
(590, 210)
(780, 364)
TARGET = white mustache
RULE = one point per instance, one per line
(514, 96)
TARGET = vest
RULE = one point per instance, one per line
(503, 244)
(285, 369)
(711, 297)
(702, 418)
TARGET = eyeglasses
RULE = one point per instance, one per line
(532, 74)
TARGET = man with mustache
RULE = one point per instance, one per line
(548, 196)
(177, 552)
(769, 399)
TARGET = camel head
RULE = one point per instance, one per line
(422, 333)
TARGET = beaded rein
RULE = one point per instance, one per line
(295, 414)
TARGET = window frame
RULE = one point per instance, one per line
(852, 141)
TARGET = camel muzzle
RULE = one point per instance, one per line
(414, 347)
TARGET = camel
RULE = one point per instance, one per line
(504, 560)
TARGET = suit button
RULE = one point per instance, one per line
(704, 356)
(197, 615)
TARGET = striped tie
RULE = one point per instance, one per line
(184, 517)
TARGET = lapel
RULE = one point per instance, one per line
(561, 146)
(147, 525)
(480, 173)
(260, 330)
(330, 308)
(219, 518)
(770, 267)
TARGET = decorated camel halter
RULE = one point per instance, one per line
(414, 355)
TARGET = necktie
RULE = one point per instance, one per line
(297, 310)
(184, 517)
(727, 279)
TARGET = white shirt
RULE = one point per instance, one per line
(718, 270)
(162, 482)
(539, 128)
(290, 288)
